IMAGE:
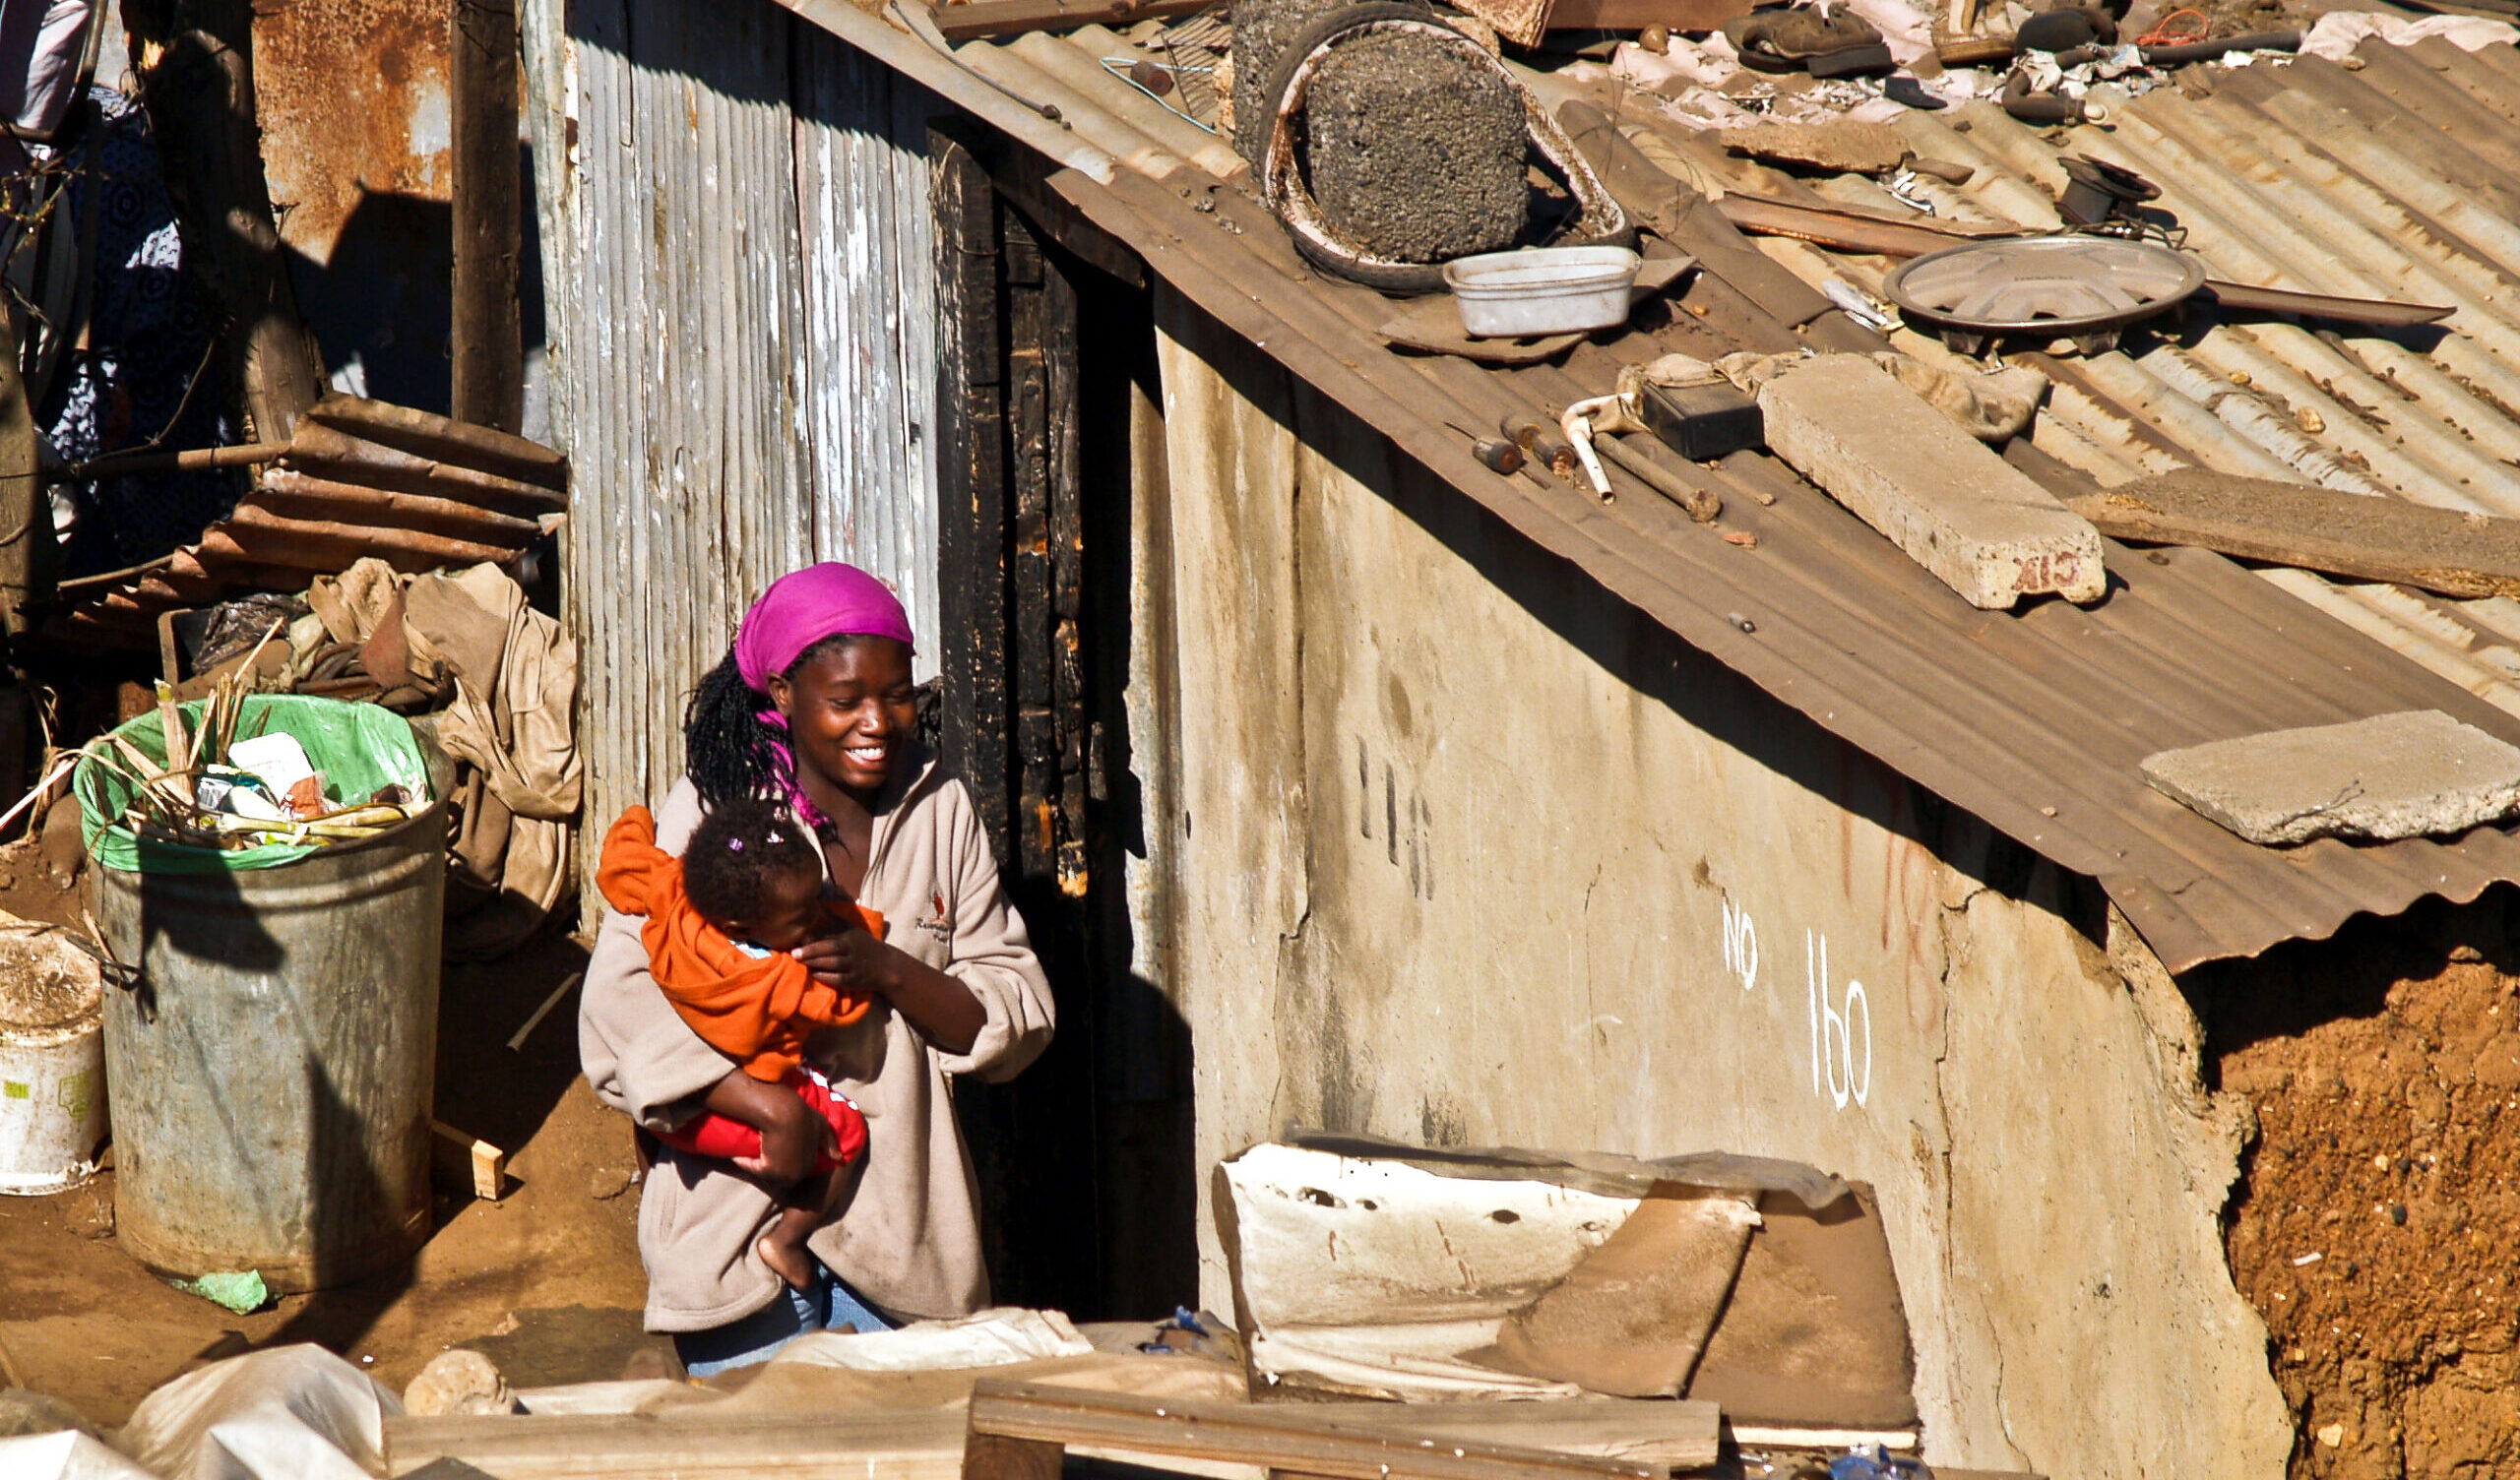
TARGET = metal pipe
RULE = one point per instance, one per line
(190, 459)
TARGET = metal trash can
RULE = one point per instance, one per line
(270, 1063)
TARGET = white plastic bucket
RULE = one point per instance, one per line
(1545, 290)
(52, 1060)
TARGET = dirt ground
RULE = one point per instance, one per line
(546, 1281)
(2377, 1228)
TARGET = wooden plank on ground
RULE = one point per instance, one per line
(1288, 1437)
(923, 1443)
(2444, 550)
(468, 1162)
(1667, 1434)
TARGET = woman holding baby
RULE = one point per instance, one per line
(914, 967)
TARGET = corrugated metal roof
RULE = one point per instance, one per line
(2033, 719)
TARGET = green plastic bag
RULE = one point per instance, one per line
(359, 747)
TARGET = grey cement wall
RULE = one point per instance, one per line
(1462, 849)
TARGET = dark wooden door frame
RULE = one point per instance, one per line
(1034, 598)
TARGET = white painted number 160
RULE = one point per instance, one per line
(1833, 1029)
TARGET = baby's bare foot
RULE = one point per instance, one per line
(789, 1261)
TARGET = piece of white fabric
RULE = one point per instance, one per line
(2339, 31)
(989, 1338)
(66, 1455)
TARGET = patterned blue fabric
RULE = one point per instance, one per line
(151, 328)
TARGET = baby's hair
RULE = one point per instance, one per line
(738, 845)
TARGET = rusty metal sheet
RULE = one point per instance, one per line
(352, 98)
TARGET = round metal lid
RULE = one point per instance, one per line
(2045, 285)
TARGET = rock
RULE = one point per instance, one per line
(1417, 149)
(605, 1183)
(1959, 510)
(2408, 774)
(458, 1381)
(23, 1412)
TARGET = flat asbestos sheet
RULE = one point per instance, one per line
(2409, 774)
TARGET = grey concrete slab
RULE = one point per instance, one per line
(1907, 470)
(2409, 774)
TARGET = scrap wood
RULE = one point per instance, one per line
(468, 1162)
(980, 19)
(1679, 1433)
(1023, 1428)
(924, 1443)
(1840, 146)
(2348, 534)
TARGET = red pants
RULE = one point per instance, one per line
(712, 1135)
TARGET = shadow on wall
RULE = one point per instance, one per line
(383, 308)
(1642, 654)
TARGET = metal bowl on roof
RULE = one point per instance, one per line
(2080, 287)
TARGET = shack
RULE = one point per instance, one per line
(1353, 784)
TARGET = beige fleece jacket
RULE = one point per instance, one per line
(907, 1235)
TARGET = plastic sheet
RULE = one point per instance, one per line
(292, 1413)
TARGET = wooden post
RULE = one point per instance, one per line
(487, 343)
(200, 98)
(971, 483)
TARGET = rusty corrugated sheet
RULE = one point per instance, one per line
(2034, 721)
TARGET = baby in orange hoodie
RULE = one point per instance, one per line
(722, 923)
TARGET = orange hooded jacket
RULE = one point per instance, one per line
(755, 1010)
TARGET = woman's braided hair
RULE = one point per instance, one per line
(730, 751)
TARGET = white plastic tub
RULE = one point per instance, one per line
(52, 1061)
(1542, 290)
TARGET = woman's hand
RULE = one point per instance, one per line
(853, 961)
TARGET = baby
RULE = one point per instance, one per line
(722, 923)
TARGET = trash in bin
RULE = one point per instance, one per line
(257, 780)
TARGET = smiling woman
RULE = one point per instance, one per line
(811, 711)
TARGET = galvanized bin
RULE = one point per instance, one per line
(271, 1069)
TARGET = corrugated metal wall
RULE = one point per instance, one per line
(736, 238)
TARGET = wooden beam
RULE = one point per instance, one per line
(1009, 18)
(1290, 1437)
(898, 1445)
(1675, 1434)
(486, 342)
(2348, 535)
(972, 484)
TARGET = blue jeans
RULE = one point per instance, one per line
(757, 1337)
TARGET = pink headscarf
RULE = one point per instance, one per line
(802, 608)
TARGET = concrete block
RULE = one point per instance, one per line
(1902, 467)
(2408, 774)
